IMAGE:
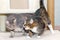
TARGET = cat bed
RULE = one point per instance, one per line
(46, 36)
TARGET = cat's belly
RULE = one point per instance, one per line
(34, 29)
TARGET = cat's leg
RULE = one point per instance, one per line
(38, 35)
(12, 34)
(51, 29)
(24, 33)
(30, 34)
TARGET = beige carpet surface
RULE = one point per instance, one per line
(46, 36)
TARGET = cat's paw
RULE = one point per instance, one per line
(11, 36)
(28, 37)
(53, 32)
(38, 36)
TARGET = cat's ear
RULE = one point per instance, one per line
(14, 20)
(31, 21)
(24, 22)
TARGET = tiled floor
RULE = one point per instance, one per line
(46, 36)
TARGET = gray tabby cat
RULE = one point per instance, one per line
(15, 22)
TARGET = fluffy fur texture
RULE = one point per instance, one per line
(15, 22)
(36, 27)
(37, 23)
(43, 14)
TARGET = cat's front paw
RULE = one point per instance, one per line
(38, 36)
(28, 37)
(11, 36)
(53, 32)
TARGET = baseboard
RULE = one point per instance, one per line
(57, 27)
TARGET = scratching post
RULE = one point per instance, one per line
(50, 8)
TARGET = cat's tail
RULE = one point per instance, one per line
(41, 3)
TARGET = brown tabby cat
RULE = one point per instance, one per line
(37, 23)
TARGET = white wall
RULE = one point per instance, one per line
(5, 7)
(57, 12)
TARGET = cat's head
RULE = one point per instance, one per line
(11, 24)
(30, 24)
